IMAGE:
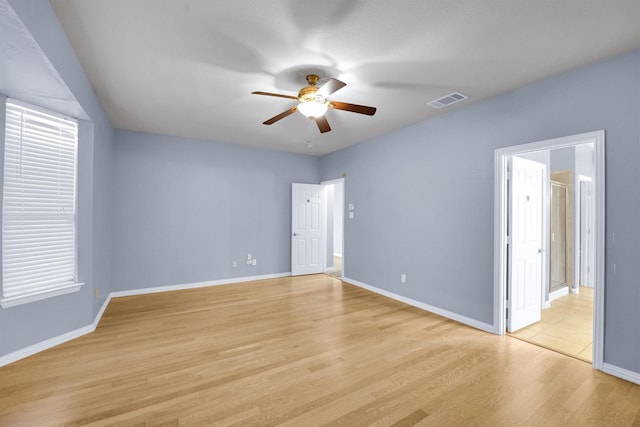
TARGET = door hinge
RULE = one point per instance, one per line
(507, 313)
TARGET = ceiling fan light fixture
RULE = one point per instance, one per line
(312, 109)
(313, 103)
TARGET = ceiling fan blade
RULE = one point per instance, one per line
(323, 124)
(279, 95)
(282, 115)
(330, 87)
(354, 108)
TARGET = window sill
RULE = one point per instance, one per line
(24, 299)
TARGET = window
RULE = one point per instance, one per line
(38, 205)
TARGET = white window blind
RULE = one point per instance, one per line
(38, 205)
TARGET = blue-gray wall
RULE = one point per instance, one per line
(186, 209)
(32, 323)
(423, 195)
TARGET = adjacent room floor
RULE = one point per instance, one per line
(566, 326)
(336, 270)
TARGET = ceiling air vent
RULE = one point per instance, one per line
(447, 100)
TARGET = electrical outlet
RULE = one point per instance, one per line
(234, 264)
(248, 256)
(255, 261)
(249, 262)
(403, 278)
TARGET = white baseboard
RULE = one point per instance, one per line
(625, 374)
(194, 285)
(60, 339)
(45, 345)
(432, 309)
(101, 311)
(52, 342)
(558, 294)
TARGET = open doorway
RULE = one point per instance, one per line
(558, 313)
(334, 191)
(544, 254)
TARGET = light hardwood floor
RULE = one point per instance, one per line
(566, 326)
(301, 351)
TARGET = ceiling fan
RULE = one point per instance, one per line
(313, 102)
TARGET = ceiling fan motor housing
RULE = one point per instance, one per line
(308, 93)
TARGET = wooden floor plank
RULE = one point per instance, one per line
(301, 351)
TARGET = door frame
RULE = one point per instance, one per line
(582, 179)
(564, 186)
(501, 157)
(326, 204)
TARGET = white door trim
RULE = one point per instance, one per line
(589, 243)
(344, 204)
(332, 181)
(500, 230)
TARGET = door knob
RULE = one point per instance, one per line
(295, 234)
(540, 250)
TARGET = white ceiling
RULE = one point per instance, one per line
(187, 67)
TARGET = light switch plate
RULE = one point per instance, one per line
(351, 207)
(350, 215)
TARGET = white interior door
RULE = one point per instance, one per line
(525, 251)
(307, 229)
